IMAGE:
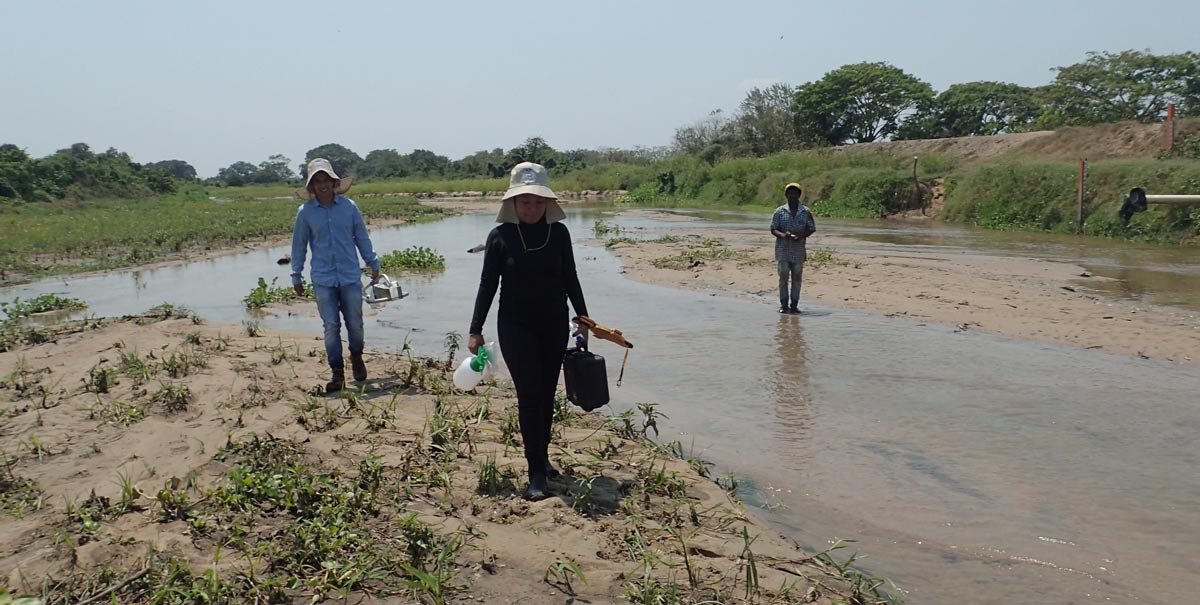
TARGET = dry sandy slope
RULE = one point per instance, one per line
(1099, 142)
(240, 386)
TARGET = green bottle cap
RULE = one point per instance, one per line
(479, 360)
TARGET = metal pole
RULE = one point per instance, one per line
(1170, 126)
(917, 187)
(1079, 196)
(1173, 199)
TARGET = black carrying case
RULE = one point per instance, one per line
(586, 378)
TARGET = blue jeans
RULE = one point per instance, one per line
(795, 270)
(344, 301)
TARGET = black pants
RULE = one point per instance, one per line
(533, 350)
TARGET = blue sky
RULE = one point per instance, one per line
(221, 81)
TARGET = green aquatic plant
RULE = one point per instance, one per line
(413, 258)
(17, 308)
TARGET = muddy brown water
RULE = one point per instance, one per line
(968, 468)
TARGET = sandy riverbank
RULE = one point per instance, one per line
(157, 453)
(1011, 297)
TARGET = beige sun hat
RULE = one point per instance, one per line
(528, 177)
(322, 165)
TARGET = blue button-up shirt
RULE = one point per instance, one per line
(337, 235)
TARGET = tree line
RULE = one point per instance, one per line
(78, 173)
(422, 163)
(866, 102)
(855, 103)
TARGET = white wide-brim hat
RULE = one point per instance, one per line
(323, 165)
(528, 177)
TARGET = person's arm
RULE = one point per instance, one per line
(299, 251)
(574, 289)
(489, 281)
(810, 224)
(362, 240)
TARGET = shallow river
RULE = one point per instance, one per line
(969, 468)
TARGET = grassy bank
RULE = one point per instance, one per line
(1007, 194)
(1041, 196)
(40, 240)
(837, 183)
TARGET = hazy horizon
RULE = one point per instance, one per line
(223, 82)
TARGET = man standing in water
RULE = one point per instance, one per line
(791, 225)
(331, 225)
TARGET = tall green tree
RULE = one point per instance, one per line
(16, 173)
(707, 137)
(345, 162)
(1129, 85)
(859, 103)
(237, 174)
(178, 169)
(764, 123)
(384, 164)
(427, 163)
(481, 163)
(534, 149)
(275, 169)
(973, 108)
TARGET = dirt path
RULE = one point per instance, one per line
(1012, 297)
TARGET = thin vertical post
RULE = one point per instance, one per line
(1170, 127)
(917, 187)
(1079, 196)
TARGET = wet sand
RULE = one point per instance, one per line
(1012, 297)
(71, 443)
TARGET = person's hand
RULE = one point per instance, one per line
(793, 236)
(374, 276)
(581, 330)
(299, 288)
(474, 342)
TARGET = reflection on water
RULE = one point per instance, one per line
(789, 380)
(972, 469)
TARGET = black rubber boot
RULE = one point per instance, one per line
(358, 367)
(537, 486)
(336, 381)
(551, 472)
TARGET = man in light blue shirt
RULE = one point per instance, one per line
(332, 227)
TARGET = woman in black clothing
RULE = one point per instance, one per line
(530, 255)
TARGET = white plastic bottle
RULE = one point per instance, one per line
(470, 371)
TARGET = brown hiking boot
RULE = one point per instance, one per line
(358, 367)
(337, 381)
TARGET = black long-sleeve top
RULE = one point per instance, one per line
(538, 274)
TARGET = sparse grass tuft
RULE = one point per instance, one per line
(264, 294)
(172, 397)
